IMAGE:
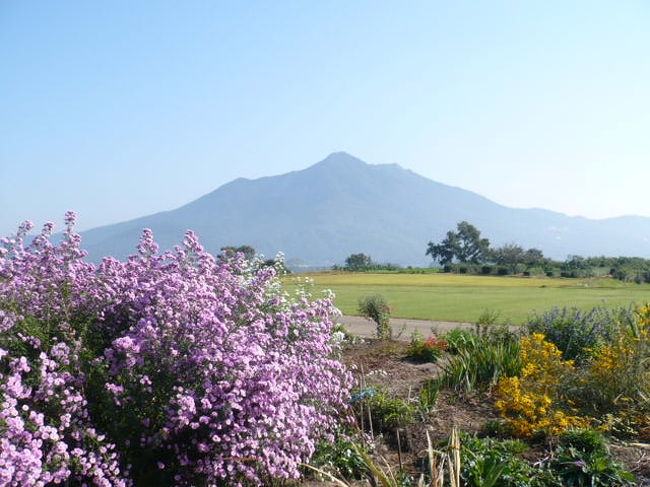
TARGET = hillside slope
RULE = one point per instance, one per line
(342, 205)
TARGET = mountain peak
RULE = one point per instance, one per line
(342, 205)
(341, 159)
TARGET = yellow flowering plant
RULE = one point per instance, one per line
(616, 384)
(613, 386)
(534, 402)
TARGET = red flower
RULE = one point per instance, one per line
(435, 343)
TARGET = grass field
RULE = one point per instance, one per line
(452, 297)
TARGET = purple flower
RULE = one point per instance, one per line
(193, 361)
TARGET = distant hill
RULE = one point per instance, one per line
(342, 205)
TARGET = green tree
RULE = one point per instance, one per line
(445, 251)
(514, 256)
(472, 248)
(577, 266)
(465, 245)
(510, 255)
(535, 257)
(358, 261)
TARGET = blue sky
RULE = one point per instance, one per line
(120, 109)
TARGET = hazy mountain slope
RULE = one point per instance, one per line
(342, 205)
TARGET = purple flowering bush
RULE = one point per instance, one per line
(579, 334)
(170, 368)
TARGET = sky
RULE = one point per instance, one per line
(121, 109)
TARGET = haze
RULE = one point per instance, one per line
(122, 109)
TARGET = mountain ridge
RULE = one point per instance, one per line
(342, 205)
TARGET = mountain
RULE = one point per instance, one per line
(342, 205)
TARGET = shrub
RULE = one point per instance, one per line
(481, 365)
(389, 412)
(617, 374)
(166, 369)
(492, 462)
(488, 317)
(534, 403)
(535, 271)
(429, 350)
(489, 462)
(617, 380)
(486, 269)
(458, 340)
(577, 333)
(462, 268)
(501, 334)
(376, 308)
(585, 440)
(503, 271)
(578, 468)
(340, 457)
(613, 385)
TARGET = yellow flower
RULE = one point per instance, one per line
(527, 403)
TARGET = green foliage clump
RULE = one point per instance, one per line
(482, 361)
(363, 263)
(576, 266)
(489, 462)
(340, 457)
(577, 333)
(389, 412)
(580, 460)
(614, 385)
(594, 468)
(487, 317)
(380, 412)
(428, 396)
(430, 350)
(376, 308)
(586, 440)
(458, 340)
(514, 258)
(421, 352)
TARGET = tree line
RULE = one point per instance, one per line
(464, 250)
(465, 245)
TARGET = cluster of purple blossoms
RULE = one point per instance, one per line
(169, 369)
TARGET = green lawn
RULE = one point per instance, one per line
(451, 297)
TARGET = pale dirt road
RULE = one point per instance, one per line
(365, 328)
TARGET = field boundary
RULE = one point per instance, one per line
(362, 327)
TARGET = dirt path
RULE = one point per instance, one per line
(362, 327)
